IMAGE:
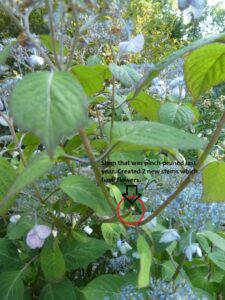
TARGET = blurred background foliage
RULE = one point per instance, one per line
(37, 24)
(159, 22)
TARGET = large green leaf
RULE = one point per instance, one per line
(50, 104)
(153, 134)
(78, 253)
(82, 190)
(146, 105)
(128, 169)
(112, 231)
(59, 291)
(145, 261)
(7, 176)
(9, 256)
(11, 286)
(107, 287)
(37, 166)
(125, 74)
(218, 258)
(204, 68)
(213, 176)
(176, 115)
(102, 70)
(217, 240)
(199, 278)
(52, 261)
(90, 77)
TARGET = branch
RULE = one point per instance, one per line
(188, 179)
(75, 38)
(95, 168)
(80, 30)
(28, 34)
(113, 107)
(87, 161)
(51, 193)
(52, 31)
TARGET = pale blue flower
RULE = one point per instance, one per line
(169, 235)
(135, 255)
(37, 235)
(192, 249)
(36, 60)
(123, 246)
(178, 92)
(196, 6)
(134, 45)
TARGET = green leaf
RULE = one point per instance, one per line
(9, 256)
(46, 41)
(125, 74)
(78, 253)
(194, 109)
(217, 240)
(129, 169)
(120, 100)
(7, 176)
(94, 60)
(145, 261)
(168, 270)
(59, 291)
(103, 71)
(52, 261)
(199, 278)
(218, 258)
(115, 192)
(11, 286)
(17, 230)
(4, 54)
(37, 167)
(112, 231)
(203, 242)
(76, 188)
(89, 78)
(176, 115)
(146, 105)
(204, 67)
(41, 101)
(105, 286)
(213, 176)
(153, 134)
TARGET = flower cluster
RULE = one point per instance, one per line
(187, 209)
(170, 82)
(180, 290)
